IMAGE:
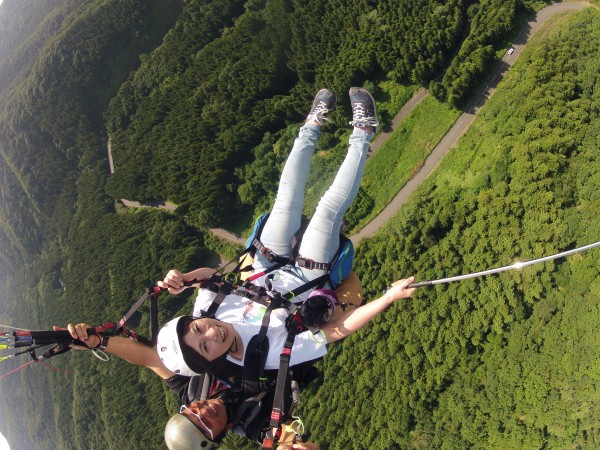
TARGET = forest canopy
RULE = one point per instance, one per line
(200, 101)
(506, 361)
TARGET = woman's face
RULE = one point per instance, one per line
(211, 338)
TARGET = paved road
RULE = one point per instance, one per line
(465, 119)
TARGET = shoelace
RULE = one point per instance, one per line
(318, 113)
(359, 119)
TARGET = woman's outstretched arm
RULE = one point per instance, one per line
(133, 352)
(357, 318)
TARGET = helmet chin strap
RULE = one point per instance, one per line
(235, 342)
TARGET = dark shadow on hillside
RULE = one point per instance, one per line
(487, 88)
(213, 259)
(523, 36)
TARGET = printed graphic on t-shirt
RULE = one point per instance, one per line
(253, 312)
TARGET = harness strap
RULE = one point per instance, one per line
(258, 349)
(152, 293)
(149, 291)
(317, 282)
(154, 317)
(283, 379)
(281, 261)
(269, 254)
(253, 292)
(311, 264)
(197, 388)
(224, 291)
(257, 246)
(245, 421)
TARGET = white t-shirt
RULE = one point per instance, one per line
(246, 317)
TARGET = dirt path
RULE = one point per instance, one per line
(134, 203)
(159, 205)
(228, 236)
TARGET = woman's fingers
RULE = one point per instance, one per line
(78, 331)
(173, 282)
(399, 288)
(73, 331)
(82, 331)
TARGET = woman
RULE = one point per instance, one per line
(190, 346)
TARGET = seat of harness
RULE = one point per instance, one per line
(273, 257)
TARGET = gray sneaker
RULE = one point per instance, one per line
(323, 103)
(364, 113)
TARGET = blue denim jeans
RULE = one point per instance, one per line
(321, 238)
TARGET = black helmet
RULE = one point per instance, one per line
(318, 308)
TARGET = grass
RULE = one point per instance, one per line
(404, 153)
(391, 97)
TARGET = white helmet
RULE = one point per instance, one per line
(182, 434)
(170, 348)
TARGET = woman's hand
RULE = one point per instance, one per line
(398, 290)
(174, 282)
(79, 331)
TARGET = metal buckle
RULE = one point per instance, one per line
(268, 254)
(231, 277)
(307, 263)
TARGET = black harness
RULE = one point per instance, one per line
(254, 379)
